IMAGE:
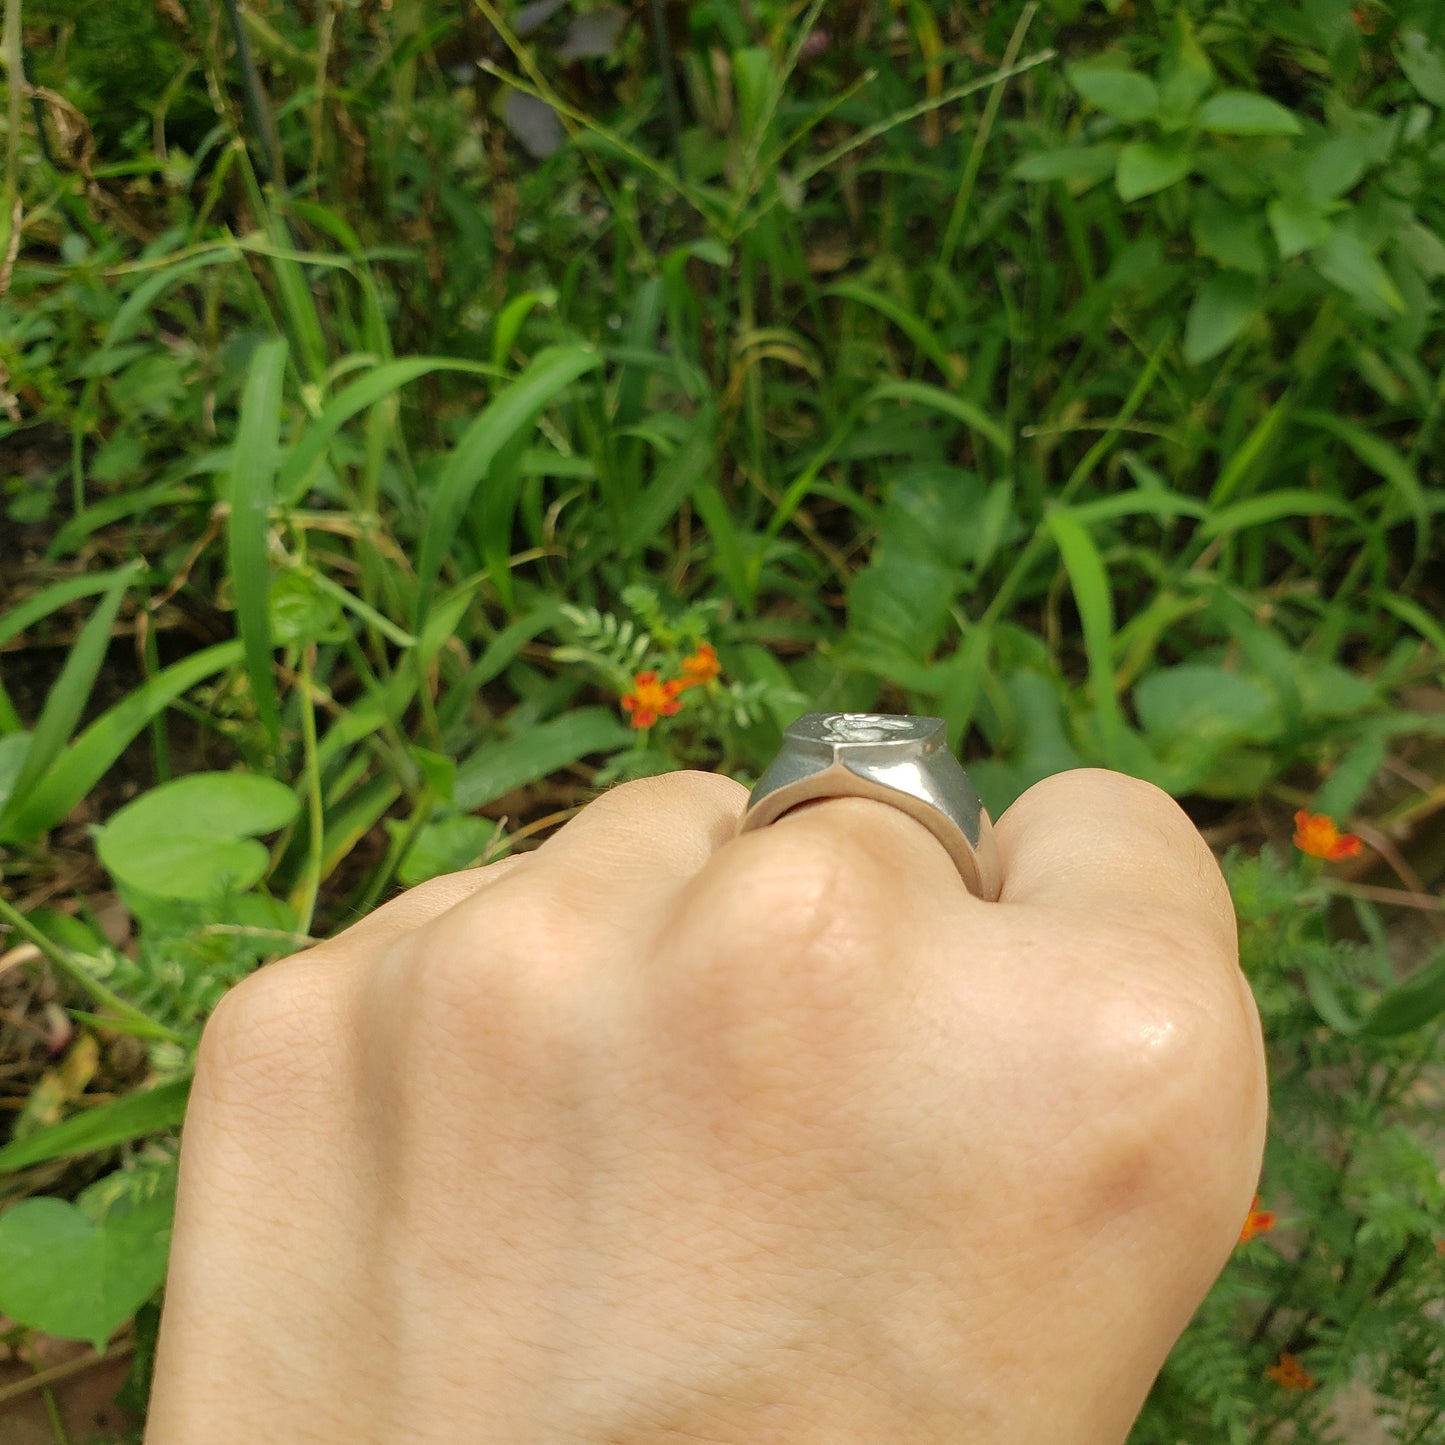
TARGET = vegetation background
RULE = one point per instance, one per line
(417, 414)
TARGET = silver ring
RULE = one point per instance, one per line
(902, 761)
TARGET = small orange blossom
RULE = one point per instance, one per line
(1317, 835)
(701, 666)
(1260, 1221)
(1290, 1373)
(651, 699)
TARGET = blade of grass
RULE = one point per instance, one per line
(124, 324)
(1004, 596)
(923, 337)
(965, 678)
(375, 386)
(25, 614)
(691, 464)
(1385, 460)
(1271, 507)
(249, 492)
(729, 556)
(964, 195)
(66, 700)
(127, 1118)
(303, 897)
(1413, 615)
(515, 408)
(831, 157)
(936, 399)
(77, 770)
(1095, 601)
(1256, 444)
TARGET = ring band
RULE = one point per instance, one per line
(900, 760)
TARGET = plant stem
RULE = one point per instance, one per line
(262, 121)
(316, 817)
(670, 105)
(78, 975)
(962, 198)
(15, 80)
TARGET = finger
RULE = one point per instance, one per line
(426, 901)
(850, 867)
(915, 865)
(645, 836)
(1113, 846)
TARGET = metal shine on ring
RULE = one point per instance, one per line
(892, 758)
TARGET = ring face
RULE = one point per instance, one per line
(903, 761)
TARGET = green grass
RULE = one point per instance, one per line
(1073, 373)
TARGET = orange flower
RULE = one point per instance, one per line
(701, 667)
(1290, 1374)
(1260, 1221)
(1317, 835)
(651, 699)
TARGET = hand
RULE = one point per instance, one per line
(659, 1134)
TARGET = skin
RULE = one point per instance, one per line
(659, 1134)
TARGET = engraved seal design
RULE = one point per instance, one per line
(862, 727)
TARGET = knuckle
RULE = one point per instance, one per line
(1175, 1111)
(499, 967)
(275, 1034)
(790, 930)
(811, 895)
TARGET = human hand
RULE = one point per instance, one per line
(660, 1134)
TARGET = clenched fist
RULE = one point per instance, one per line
(660, 1134)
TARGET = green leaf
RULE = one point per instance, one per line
(194, 838)
(513, 411)
(62, 1273)
(1189, 74)
(66, 700)
(445, 846)
(86, 760)
(1328, 690)
(1123, 94)
(1348, 263)
(1223, 307)
(732, 559)
(1352, 776)
(1423, 66)
(1297, 225)
(901, 601)
(1196, 705)
(123, 1120)
(1335, 169)
(1227, 233)
(1242, 112)
(1083, 165)
(1424, 247)
(499, 768)
(1416, 1002)
(249, 491)
(301, 611)
(1146, 167)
